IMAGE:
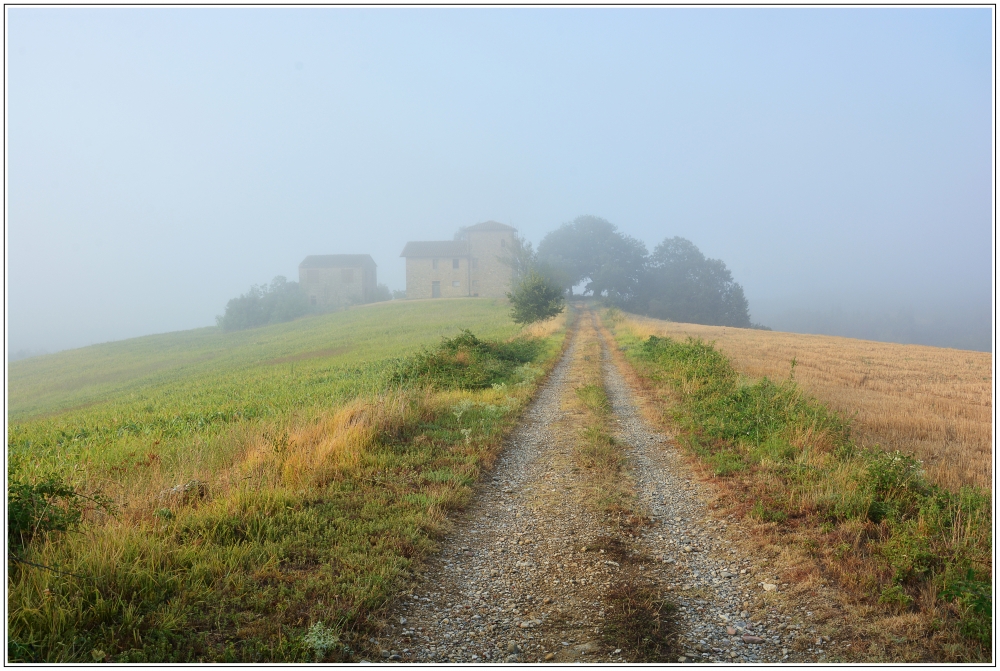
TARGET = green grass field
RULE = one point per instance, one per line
(316, 474)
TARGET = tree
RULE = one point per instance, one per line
(535, 298)
(282, 301)
(682, 285)
(521, 258)
(382, 293)
(591, 248)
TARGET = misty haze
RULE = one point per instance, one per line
(500, 335)
(163, 161)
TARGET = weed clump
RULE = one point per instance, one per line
(466, 362)
(639, 622)
(321, 640)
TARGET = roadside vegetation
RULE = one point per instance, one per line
(902, 545)
(260, 503)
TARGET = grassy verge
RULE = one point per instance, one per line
(265, 537)
(873, 522)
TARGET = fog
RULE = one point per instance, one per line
(161, 161)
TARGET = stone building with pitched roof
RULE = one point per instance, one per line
(336, 280)
(472, 265)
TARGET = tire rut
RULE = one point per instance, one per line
(711, 584)
(509, 583)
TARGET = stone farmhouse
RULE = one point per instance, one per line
(472, 265)
(335, 280)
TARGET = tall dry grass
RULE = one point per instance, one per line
(547, 328)
(931, 402)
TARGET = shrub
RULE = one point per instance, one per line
(466, 362)
(614, 315)
(41, 507)
(281, 301)
(896, 484)
(535, 298)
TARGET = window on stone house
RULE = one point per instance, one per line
(434, 264)
(456, 283)
(312, 300)
(475, 263)
(454, 264)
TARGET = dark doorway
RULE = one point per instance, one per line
(435, 290)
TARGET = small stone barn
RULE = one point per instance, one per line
(472, 265)
(336, 280)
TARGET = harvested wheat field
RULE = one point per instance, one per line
(931, 402)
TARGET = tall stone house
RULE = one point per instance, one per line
(335, 280)
(472, 265)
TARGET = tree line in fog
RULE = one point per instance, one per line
(675, 281)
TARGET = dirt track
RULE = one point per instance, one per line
(525, 573)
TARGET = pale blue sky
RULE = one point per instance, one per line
(160, 161)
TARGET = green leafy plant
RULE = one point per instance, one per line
(38, 508)
(535, 298)
(466, 362)
(895, 595)
(974, 596)
(321, 640)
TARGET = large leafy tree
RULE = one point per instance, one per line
(682, 285)
(675, 282)
(593, 249)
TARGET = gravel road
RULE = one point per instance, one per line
(515, 580)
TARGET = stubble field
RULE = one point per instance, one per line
(931, 402)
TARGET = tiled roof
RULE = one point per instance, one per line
(443, 248)
(338, 261)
